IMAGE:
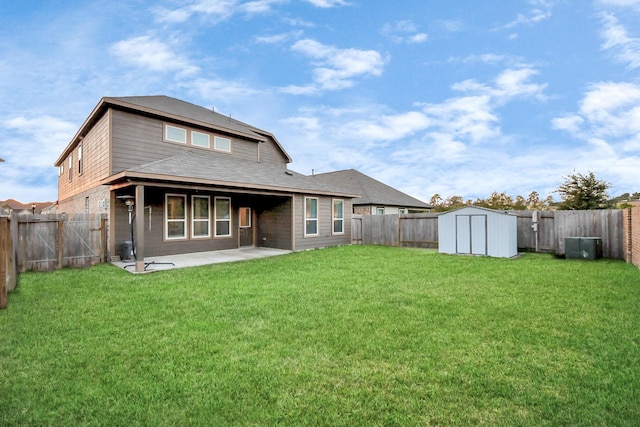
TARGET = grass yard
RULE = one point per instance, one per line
(342, 336)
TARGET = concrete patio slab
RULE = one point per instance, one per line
(194, 259)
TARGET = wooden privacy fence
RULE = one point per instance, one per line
(7, 261)
(539, 231)
(47, 242)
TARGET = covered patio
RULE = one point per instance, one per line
(168, 262)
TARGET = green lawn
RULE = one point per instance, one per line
(342, 336)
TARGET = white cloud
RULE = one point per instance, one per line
(336, 68)
(617, 38)
(508, 84)
(608, 122)
(620, 3)
(328, 3)
(152, 54)
(278, 38)
(214, 9)
(404, 32)
(540, 10)
(30, 149)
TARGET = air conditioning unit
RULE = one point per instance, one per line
(583, 247)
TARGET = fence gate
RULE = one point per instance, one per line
(47, 242)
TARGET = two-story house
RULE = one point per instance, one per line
(174, 178)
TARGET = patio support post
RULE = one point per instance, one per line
(139, 228)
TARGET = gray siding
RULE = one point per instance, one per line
(137, 140)
(274, 224)
(325, 224)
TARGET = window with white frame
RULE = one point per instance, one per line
(380, 211)
(175, 134)
(175, 216)
(61, 169)
(80, 159)
(200, 217)
(338, 216)
(70, 166)
(402, 211)
(200, 139)
(222, 144)
(311, 216)
(223, 216)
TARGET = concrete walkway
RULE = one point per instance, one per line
(194, 259)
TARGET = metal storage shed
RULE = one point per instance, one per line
(478, 231)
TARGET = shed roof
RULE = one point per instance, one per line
(371, 191)
(477, 208)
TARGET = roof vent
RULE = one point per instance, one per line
(288, 173)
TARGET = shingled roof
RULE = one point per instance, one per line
(371, 191)
(165, 107)
(211, 168)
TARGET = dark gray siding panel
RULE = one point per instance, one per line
(274, 224)
(271, 153)
(325, 224)
(138, 140)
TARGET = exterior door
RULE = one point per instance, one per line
(471, 234)
(246, 228)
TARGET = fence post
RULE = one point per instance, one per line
(60, 243)
(5, 247)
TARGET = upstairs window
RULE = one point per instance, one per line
(222, 144)
(80, 159)
(70, 166)
(200, 139)
(380, 211)
(175, 134)
(338, 216)
(61, 169)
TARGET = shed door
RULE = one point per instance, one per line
(471, 234)
(463, 234)
(479, 234)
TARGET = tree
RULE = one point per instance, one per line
(581, 192)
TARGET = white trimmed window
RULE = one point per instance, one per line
(380, 211)
(70, 166)
(311, 216)
(200, 217)
(223, 216)
(80, 159)
(222, 144)
(175, 216)
(175, 134)
(199, 139)
(338, 216)
(61, 169)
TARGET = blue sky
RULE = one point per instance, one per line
(457, 98)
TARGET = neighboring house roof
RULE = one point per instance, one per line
(173, 109)
(371, 191)
(210, 168)
(15, 205)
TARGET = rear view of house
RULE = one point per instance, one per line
(173, 177)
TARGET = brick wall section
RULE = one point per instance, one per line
(632, 235)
